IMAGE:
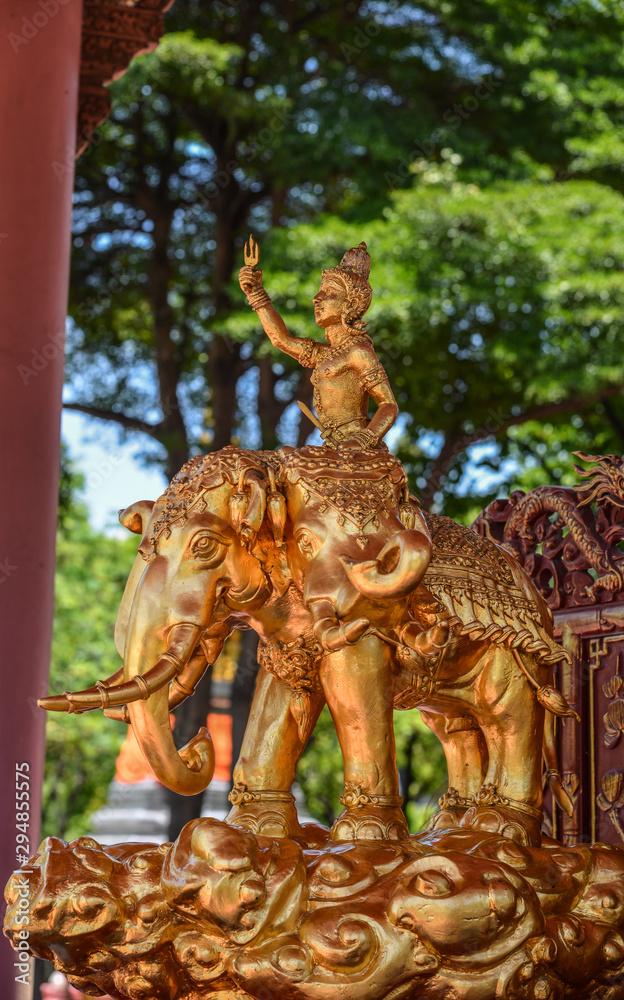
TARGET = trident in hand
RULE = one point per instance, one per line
(252, 252)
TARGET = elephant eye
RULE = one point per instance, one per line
(307, 544)
(204, 546)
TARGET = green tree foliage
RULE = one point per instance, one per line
(263, 115)
(559, 108)
(422, 768)
(81, 749)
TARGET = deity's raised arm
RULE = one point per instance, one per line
(346, 371)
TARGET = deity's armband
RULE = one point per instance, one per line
(309, 354)
(373, 376)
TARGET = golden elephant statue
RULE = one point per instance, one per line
(361, 601)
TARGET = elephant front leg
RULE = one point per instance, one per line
(358, 685)
(275, 738)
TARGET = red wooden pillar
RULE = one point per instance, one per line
(39, 74)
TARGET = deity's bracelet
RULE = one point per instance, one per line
(367, 438)
(258, 299)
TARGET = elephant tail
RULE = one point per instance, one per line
(553, 775)
(555, 705)
(547, 695)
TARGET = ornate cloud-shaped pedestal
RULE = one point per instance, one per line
(224, 914)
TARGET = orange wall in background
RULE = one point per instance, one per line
(132, 767)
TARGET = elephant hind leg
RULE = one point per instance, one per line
(513, 727)
(512, 721)
(466, 760)
(464, 748)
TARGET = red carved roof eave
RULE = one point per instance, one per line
(113, 33)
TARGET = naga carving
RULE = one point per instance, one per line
(570, 553)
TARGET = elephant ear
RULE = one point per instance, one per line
(136, 516)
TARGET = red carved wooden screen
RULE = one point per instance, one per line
(568, 540)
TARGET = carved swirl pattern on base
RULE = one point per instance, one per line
(222, 913)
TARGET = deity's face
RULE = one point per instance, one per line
(329, 302)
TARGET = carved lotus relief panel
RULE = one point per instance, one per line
(611, 799)
(613, 718)
(607, 753)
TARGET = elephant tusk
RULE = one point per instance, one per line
(102, 696)
(139, 688)
(333, 637)
(61, 702)
(120, 714)
(183, 684)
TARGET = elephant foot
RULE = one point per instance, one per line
(369, 817)
(453, 807)
(498, 814)
(264, 812)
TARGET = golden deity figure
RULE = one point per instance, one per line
(366, 604)
(346, 372)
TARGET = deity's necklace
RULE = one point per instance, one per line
(333, 352)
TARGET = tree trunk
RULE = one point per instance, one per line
(172, 430)
(270, 409)
(441, 466)
(225, 370)
(225, 366)
(614, 419)
(278, 203)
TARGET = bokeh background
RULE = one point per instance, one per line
(477, 147)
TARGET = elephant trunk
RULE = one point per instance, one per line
(190, 770)
(397, 570)
(334, 635)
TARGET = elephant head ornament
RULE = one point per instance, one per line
(358, 547)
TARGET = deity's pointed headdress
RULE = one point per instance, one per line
(357, 259)
(353, 270)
